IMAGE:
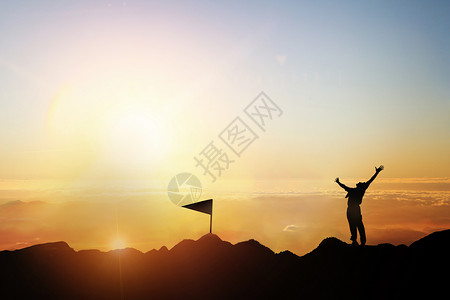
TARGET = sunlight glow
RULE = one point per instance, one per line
(118, 243)
(133, 137)
(113, 126)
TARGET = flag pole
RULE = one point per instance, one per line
(210, 223)
(205, 206)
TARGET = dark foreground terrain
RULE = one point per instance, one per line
(210, 268)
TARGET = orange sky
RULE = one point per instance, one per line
(292, 214)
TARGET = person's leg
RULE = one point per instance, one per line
(352, 226)
(362, 231)
(359, 224)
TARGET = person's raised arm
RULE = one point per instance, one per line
(341, 184)
(377, 170)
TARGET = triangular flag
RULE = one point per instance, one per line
(204, 206)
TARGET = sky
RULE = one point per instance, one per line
(102, 103)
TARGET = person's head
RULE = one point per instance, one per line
(359, 184)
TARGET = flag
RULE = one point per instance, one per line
(204, 206)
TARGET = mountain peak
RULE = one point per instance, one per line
(49, 249)
(210, 238)
(331, 242)
(253, 246)
(163, 249)
(434, 239)
(52, 246)
(126, 251)
(209, 241)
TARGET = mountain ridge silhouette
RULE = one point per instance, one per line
(211, 268)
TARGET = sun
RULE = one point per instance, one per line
(135, 138)
(110, 127)
(118, 243)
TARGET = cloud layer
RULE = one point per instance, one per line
(146, 219)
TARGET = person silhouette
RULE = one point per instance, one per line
(354, 216)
